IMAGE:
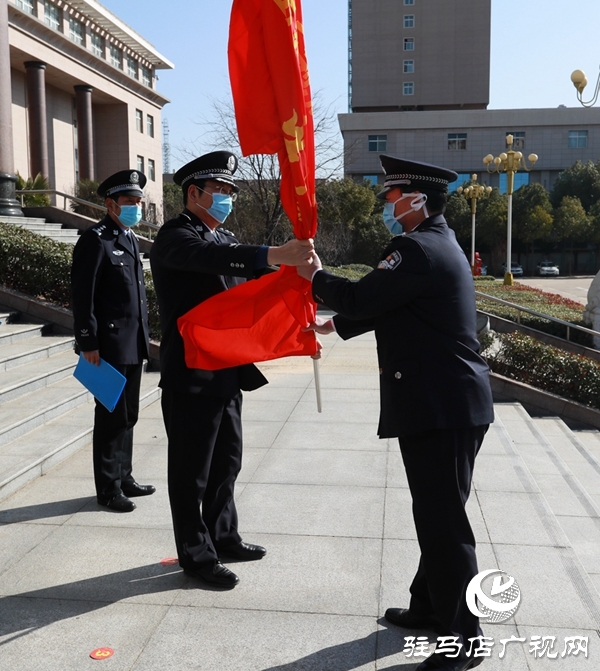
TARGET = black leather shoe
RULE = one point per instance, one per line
(439, 662)
(243, 552)
(404, 618)
(138, 490)
(120, 503)
(213, 573)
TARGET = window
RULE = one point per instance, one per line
(151, 214)
(25, 5)
(76, 31)
(139, 121)
(457, 141)
(371, 178)
(409, 44)
(151, 170)
(409, 2)
(521, 179)
(116, 57)
(150, 125)
(140, 163)
(132, 66)
(51, 15)
(409, 20)
(408, 88)
(97, 45)
(578, 139)
(518, 139)
(408, 66)
(146, 76)
(377, 142)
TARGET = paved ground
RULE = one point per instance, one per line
(329, 501)
(575, 288)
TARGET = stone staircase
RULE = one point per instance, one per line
(55, 232)
(45, 414)
(554, 472)
(42, 227)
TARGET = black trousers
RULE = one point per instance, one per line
(205, 458)
(439, 466)
(113, 436)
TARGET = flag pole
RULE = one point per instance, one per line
(317, 384)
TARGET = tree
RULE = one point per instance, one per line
(458, 216)
(172, 200)
(258, 213)
(572, 225)
(350, 230)
(532, 214)
(581, 180)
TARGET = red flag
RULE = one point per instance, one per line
(263, 319)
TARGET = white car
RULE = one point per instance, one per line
(547, 269)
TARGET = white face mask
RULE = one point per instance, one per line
(392, 222)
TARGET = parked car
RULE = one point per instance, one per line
(547, 269)
(515, 268)
(484, 270)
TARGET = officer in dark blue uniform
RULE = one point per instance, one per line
(192, 259)
(111, 321)
(434, 387)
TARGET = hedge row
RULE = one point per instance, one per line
(550, 304)
(521, 357)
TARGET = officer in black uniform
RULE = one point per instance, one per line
(193, 259)
(111, 321)
(434, 387)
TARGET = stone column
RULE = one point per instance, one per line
(9, 206)
(36, 109)
(85, 131)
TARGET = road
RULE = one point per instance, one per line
(575, 288)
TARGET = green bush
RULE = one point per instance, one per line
(521, 357)
(553, 305)
(87, 189)
(37, 183)
(354, 271)
(153, 316)
(35, 265)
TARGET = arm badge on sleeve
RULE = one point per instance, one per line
(390, 262)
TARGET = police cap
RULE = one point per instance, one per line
(123, 183)
(218, 166)
(402, 173)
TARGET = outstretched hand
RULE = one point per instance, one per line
(322, 326)
(307, 272)
(293, 253)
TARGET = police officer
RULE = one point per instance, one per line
(111, 321)
(435, 391)
(192, 259)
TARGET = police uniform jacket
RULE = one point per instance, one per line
(420, 301)
(190, 263)
(108, 295)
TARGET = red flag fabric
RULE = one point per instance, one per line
(263, 319)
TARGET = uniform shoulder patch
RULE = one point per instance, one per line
(390, 262)
(99, 229)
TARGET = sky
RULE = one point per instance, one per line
(536, 44)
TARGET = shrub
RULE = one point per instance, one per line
(553, 305)
(37, 183)
(86, 189)
(35, 265)
(567, 375)
(153, 316)
(354, 271)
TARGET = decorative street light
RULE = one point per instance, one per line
(509, 162)
(580, 82)
(474, 192)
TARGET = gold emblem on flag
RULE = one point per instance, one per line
(294, 138)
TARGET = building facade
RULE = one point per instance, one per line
(83, 98)
(419, 89)
(418, 55)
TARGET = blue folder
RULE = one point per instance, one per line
(103, 381)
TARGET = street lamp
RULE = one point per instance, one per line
(474, 192)
(580, 82)
(509, 162)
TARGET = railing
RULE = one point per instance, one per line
(80, 201)
(520, 309)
